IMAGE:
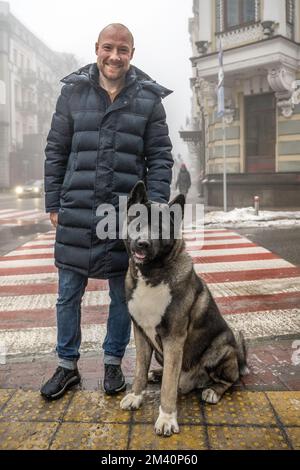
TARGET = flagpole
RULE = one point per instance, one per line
(224, 167)
(222, 113)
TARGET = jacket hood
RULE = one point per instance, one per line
(89, 73)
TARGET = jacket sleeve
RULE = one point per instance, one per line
(159, 160)
(57, 150)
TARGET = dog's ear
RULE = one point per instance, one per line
(179, 200)
(138, 194)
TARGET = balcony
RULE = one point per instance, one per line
(251, 59)
(240, 35)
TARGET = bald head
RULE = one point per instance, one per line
(117, 28)
(114, 51)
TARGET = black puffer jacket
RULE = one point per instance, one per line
(97, 151)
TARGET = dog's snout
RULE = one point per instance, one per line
(143, 244)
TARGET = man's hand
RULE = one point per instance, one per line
(53, 218)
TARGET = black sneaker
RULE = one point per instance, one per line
(57, 386)
(114, 380)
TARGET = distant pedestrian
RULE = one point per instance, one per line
(184, 180)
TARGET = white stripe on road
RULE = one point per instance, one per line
(38, 243)
(201, 234)
(265, 324)
(228, 251)
(43, 340)
(260, 287)
(34, 251)
(22, 263)
(224, 241)
(25, 279)
(21, 214)
(48, 301)
(242, 266)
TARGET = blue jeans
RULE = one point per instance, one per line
(68, 310)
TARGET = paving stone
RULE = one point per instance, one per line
(188, 409)
(5, 395)
(241, 408)
(30, 406)
(90, 436)
(144, 437)
(294, 436)
(287, 406)
(246, 438)
(94, 407)
(26, 436)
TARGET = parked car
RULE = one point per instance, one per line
(34, 188)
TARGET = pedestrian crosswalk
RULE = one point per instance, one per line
(256, 290)
(15, 218)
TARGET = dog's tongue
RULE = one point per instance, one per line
(139, 255)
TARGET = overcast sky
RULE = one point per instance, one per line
(160, 28)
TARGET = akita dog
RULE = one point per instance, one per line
(175, 315)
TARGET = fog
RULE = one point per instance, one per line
(160, 29)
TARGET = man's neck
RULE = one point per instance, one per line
(113, 88)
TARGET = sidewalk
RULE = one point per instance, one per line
(256, 291)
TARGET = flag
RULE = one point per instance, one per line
(221, 98)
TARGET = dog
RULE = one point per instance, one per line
(175, 315)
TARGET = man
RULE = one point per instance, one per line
(183, 182)
(108, 132)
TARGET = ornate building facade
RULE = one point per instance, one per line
(261, 44)
(29, 85)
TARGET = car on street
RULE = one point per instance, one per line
(34, 188)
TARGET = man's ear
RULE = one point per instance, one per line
(132, 53)
(96, 48)
(179, 200)
(138, 194)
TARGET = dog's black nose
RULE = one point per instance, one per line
(142, 244)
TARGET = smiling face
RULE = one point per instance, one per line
(114, 51)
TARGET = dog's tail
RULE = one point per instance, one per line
(242, 353)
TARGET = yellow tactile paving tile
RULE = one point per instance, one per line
(5, 395)
(246, 438)
(89, 436)
(294, 436)
(287, 406)
(143, 437)
(188, 409)
(94, 407)
(26, 436)
(241, 408)
(30, 406)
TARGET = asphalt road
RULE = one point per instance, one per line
(13, 237)
(284, 241)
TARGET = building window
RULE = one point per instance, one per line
(231, 14)
(290, 17)
(238, 12)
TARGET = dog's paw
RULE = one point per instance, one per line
(166, 423)
(131, 402)
(210, 396)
